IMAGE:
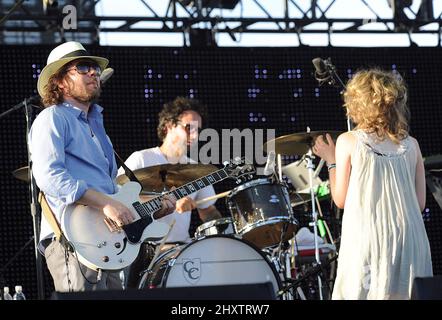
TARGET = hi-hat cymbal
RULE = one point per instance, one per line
(22, 173)
(297, 143)
(156, 178)
(433, 162)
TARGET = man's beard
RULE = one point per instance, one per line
(84, 96)
(88, 97)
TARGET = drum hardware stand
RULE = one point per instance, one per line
(279, 167)
(288, 271)
(310, 166)
(148, 271)
(163, 174)
(315, 270)
(280, 259)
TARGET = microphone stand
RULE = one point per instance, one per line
(35, 209)
(335, 78)
(332, 79)
(29, 100)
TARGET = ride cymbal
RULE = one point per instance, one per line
(165, 176)
(297, 143)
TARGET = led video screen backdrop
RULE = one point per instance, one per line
(255, 88)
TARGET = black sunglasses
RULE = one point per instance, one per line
(189, 128)
(85, 67)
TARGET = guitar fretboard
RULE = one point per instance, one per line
(146, 209)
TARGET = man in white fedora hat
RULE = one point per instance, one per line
(73, 160)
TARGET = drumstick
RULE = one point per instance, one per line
(216, 196)
(154, 258)
(160, 246)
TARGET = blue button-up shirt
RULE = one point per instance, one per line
(66, 160)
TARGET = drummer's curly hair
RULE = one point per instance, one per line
(173, 109)
(376, 100)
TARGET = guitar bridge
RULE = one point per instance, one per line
(113, 227)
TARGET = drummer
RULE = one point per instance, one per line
(179, 123)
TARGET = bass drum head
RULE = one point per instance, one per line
(213, 261)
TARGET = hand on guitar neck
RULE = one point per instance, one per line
(169, 204)
(180, 206)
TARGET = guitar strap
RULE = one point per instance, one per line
(50, 217)
(129, 173)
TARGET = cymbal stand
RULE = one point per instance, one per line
(310, 166)
(163, 175)
(286, 258)
(279, 166)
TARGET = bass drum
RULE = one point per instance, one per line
(212, 261)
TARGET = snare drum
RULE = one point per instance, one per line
(262, 213)
(211, 261)
(213, 227)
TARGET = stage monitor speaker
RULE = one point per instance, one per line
(259, 291)
(429, 288)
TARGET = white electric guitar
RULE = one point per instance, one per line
(100, 244)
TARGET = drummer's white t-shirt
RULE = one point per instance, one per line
(153, 157)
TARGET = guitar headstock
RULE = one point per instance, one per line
(239, 169)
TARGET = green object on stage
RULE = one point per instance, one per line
(322, 191)
(321, 228)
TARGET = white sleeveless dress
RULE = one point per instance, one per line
(384, 245)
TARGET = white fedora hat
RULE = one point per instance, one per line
(62, 55)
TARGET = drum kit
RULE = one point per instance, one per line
(257, 243)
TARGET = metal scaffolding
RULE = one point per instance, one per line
(186, 16)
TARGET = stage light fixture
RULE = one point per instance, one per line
(219, 4)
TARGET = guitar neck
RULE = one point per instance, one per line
(148, 208)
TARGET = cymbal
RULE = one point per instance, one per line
(433, 162)
(436, 172)
(297, 143)
(175, 175)
(298, 198)
(22, 173)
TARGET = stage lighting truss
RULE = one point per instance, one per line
(295, 16)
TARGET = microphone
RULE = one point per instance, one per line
(270, 164)
(322, 70)
(106, 74)
(34, 101)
